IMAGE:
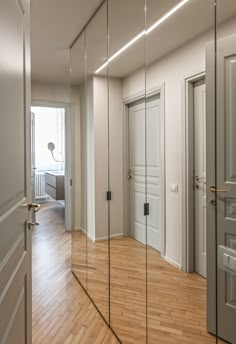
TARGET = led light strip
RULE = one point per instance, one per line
(141, 34)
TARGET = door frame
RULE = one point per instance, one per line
(69, 159)
(188, 206)
(126, 102)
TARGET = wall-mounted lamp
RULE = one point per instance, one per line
(51, 147)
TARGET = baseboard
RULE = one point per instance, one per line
(172, 262)
(113, 236)
(85, 232)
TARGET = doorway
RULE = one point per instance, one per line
(145, 162)
(51, 167)
(195, 177)
(199, 112)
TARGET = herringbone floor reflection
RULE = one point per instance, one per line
(62, 312)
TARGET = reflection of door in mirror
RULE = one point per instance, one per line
(138, 171)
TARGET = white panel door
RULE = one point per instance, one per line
(145, 168)
(200, 176)
(226, 185)
(15, 237)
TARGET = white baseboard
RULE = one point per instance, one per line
(113, 236)
(98, 239)
(172, 262)
(85, 232)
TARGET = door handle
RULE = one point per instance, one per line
(214, 189)
(34, 206)
(31, 224)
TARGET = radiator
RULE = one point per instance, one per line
(40, 185)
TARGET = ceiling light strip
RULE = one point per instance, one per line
(167, 15)
(136, 38)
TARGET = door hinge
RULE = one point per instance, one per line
(70, 182)
(108, 195)
(146, 209)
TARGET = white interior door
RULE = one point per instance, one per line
(137, 171)
(226, 186)
(15, 236)
(200, 176)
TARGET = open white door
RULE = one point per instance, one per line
(15, 235)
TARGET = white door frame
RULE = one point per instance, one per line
(126, 102)
(188, 240)
(69, 160)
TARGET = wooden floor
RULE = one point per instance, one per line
(62, 312)
(176, 300)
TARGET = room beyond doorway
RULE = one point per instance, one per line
(51, 167)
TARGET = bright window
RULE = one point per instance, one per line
(49, 126)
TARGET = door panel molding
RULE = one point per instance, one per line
(140, 96)
(15, 237)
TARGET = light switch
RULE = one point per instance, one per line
(174, 187)
(231, 263)
(226, 258)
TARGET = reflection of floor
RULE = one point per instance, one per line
(62, 312)
(176, 301)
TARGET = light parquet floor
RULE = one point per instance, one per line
(62, 312)
(176, 300)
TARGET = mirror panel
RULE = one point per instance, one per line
(97, 162)
(175, 117)
(79, 236)
(127, 169)
(146, 93)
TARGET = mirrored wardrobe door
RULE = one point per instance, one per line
(126, 22)
(97, 161)
(177, 34)
(79, 235)
(225, 173)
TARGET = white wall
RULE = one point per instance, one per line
(171, 71)
(100, 89)
(94, 148)
(63, 94)
(116, 126)
(89, 120)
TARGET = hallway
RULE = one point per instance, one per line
(62, 312)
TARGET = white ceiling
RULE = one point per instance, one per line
(126, 20)
(54, 26)
(56, 23)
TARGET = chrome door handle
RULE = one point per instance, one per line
(31, 224)
(214, 189)
(34, 206)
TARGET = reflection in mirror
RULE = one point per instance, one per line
(147, 106)
(79, 236)
(177, 35)
(97, 162)
(225, 170)
(127, 170)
